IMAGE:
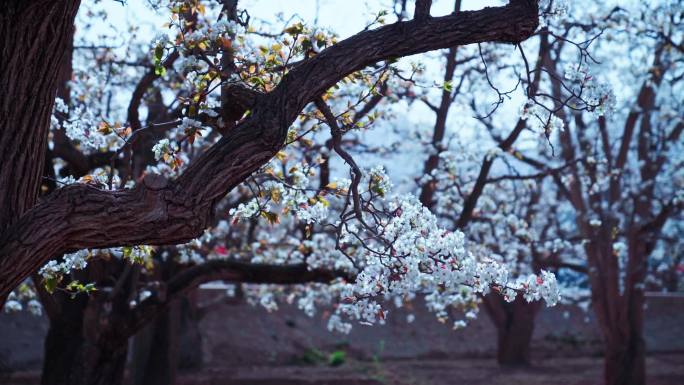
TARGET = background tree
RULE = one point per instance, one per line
(456, 181)
(614, 179)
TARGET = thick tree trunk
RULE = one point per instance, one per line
(625, 355)
(34, 36)
(86, 343)
(514, 322)
(104, 367)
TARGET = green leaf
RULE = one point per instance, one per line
(159, 71)
(88, 288)
(295, 29)
(127, 251)
(76, 287)
(257, 81)
(158, 53)
(337, 358)
(51, 283)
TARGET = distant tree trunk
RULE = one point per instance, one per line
(625, 359)
(620, 314)
(87, 340)
(101, 367)
(76, 353)
(63, 343)
(190, 355)
(73, 361)
(169, 343)
(625, 349)
(514, 322)
(155, 357)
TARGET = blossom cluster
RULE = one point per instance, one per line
(23, 297)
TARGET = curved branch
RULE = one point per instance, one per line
(226, 270)
(505, 144)
(244, 272)
(442, 112)
(141, 89)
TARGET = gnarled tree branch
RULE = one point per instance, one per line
(226, 270)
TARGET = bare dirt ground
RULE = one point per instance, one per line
(665, 369)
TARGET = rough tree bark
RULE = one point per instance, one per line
(165, 212)
(33, 37)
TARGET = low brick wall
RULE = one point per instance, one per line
(243, 334)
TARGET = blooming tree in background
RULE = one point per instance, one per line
(596, 171)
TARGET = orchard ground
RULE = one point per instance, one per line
(667, 369)
(663, 369)
(236, 343)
